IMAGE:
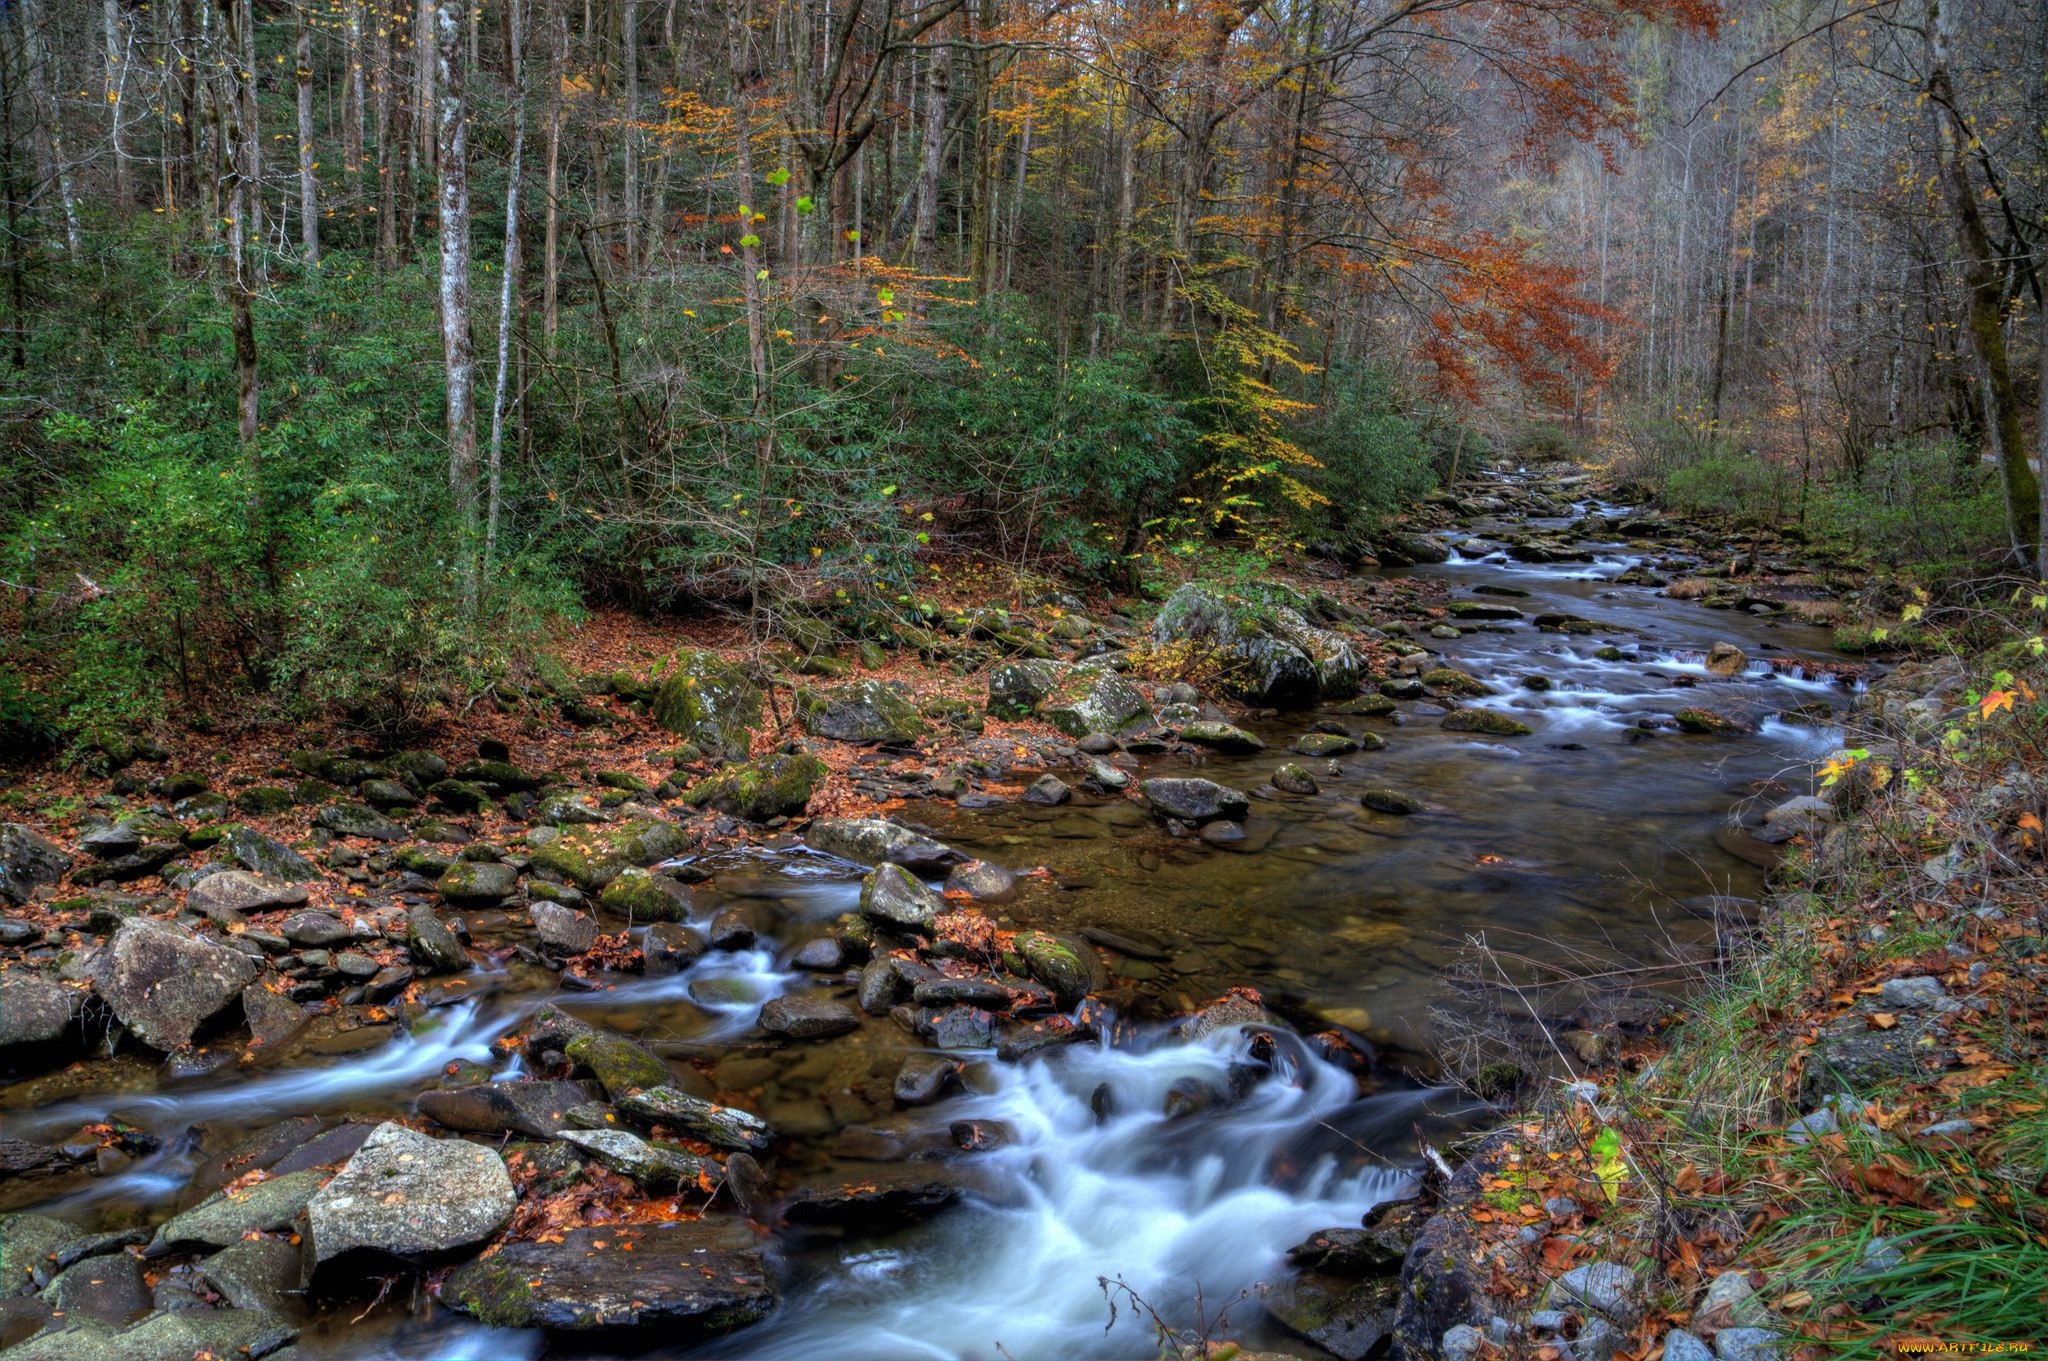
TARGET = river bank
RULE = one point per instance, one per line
(650, 947)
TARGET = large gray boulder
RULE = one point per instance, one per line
(897, 898)
(163, 983)
(265, 855)
(1272, 654)
(878, 841)
(865, 712)
(1092, 698)
(712, 702)
(1194, 799)
(1017, 688)
(231, 892)
(32, 1010)
(27, 860)
(410, 1195)
(683, 1279)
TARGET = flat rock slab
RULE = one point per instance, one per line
(886, 1201)
(227, 1217)
(412, 1196)
(537, 1109)
(699, 1278)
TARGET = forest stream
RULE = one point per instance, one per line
(1183, 1160)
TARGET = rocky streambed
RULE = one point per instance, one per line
(450, 1055)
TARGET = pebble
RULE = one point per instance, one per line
(1679, 1345)
(1746, 1344)
(1461, 1343)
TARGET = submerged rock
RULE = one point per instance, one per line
(807, 1018)
(1488, 721)
(1193, 799)
(1224, 737)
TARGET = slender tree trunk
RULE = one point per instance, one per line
(508, 291)
(629, 127)
(42, 91)
(354, 100)
(1984, 286)
(117, 40)
(250, 114)
(459, 360)
(550, 263)
(926, 238)
(309, 185)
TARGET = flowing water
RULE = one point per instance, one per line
(1592, 837)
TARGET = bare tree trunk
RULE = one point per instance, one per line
(250, 114)
(117, 40)
(354, 99)
(1985, 293)
(927, 233)
(459, 360)
(551, 264)
(384, 91)
(629, 129)
(42, 92)
(508, 290)
(309, 184)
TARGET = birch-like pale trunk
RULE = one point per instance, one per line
(551, 234)
(452, 159)
(507, 289)
(117, 40)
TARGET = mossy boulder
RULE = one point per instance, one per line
(1219, 736)
(591, 857)
(1016, 689)
(619, 1065)
(1709, 723)
(1261, 631)
(646, 897)
(1452, 681)
(866, 712)
(264, 800)
(1092, 699)
(778, 786)
(712, 702)
(1067, 966)
(1488, 721)
(897, 898)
